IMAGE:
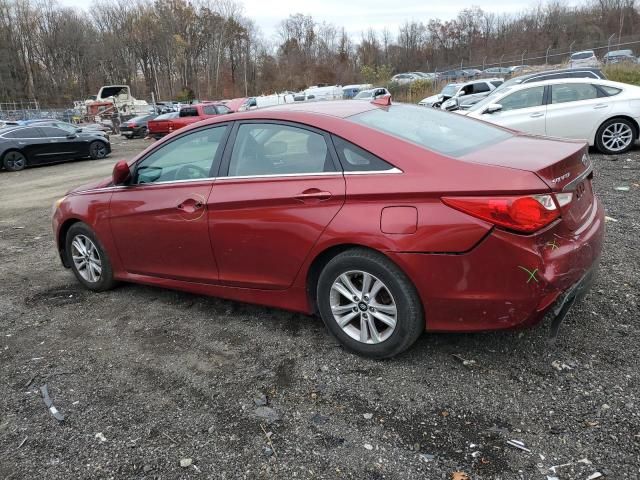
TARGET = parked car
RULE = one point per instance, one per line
(497, 71)
(602, 112)
(387, 220)
(235, 103)
(25, 146)
(517, 69)
(350, 91)
(619, 56)
(161, 125)
(472, 72)
(136, 127)
(372, 93)
(70, 128)
(586, 58)
(451, 75)
(595, 73)
(404, 78)
(471, 89)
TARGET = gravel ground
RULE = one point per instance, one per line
(160, 384)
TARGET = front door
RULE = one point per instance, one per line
(159, 222)
(283, 187)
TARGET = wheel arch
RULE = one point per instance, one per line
(629, 118)
(320, 261)
(61, 240)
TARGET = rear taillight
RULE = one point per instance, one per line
(524, 214)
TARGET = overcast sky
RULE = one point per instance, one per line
(359, 15)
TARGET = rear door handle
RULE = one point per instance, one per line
(537, 114)
(313, 194)
(600, 105)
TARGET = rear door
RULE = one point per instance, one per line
(32, 142)
(280, 186)
(522, 110)
(575, 110)
(63, 145)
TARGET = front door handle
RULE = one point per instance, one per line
(600, 105)
(537, 114)
(190, 205)
(313, 194)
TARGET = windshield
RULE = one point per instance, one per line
(365, 94)
(489, 99)
(446, 133)
(450, 90)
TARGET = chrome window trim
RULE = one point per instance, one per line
(393, 171)
(284, 175)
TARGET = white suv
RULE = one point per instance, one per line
(586, 58)
(471, 89)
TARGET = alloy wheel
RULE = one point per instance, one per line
(14, 161)
(86, 258)
(363, 307)
(98, 150)
(617, 136)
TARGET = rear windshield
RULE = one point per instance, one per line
(447, 133)
(582, 55)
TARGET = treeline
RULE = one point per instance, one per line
(210, 49)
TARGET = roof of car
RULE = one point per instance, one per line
(560, 81)
(334, 108)
(527, 76)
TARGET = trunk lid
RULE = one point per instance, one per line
(563, 165)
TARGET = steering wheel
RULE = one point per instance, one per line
(191, 172)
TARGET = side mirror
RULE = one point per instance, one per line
(78, 130)
(461, 93)
(121, 173)
(493, 108)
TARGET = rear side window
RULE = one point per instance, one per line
(24, 133)
(355, 159)
(449, 134)
(573, 92)
(189, 112)
(610, 91)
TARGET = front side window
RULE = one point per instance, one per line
(53, 132)
(209, 110)
(190, 157)
(480, 87)
(531, 97)
(273, 149)
(223, 109)
(573, 92)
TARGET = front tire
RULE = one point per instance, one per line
(616, 136)
(369, 304)
(14, 161)
(89, 261)
(98, 150)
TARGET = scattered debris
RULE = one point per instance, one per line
(18, 228)
(622, 189)
(558, 365)
(23, 442)
(595, 475)
(169, 437)
(100, 436)
(186, 462)
(49, 403)
(464, 361)
(367, 416)
(319, 419)
(368, 446)
(610, 219)
(267, 413)
(30, 381)
(261, 401)
(460, 476)
(268, 435)
(426, 457)
(518, 444)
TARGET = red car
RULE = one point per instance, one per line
(385, 219)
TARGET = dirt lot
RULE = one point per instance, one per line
(146, 377)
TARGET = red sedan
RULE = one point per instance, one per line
(387, 220)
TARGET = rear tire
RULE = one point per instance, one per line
(88, 259)
(98, 150)
(616, 136)
(143, 132)
(369, 304)
(14, 161)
